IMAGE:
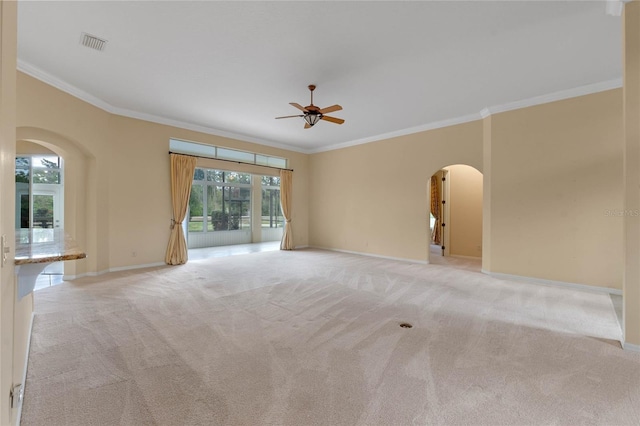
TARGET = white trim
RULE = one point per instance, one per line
(630, 347)
(26, 365)
(459, 256)
(91, 274)
(207, 130)
(86, 274)
(99, 103)
(128, 268)
(301, 247)
(485, 112)
(575, 92)
(73, 277)
(614, 7)
(587, 89)
(116, 269)
(379, 256)
(60, 84)
(552, 283)
(403, 132)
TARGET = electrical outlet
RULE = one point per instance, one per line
(134, 253)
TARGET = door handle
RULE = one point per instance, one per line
(4, 249)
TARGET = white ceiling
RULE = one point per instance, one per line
(395, 67)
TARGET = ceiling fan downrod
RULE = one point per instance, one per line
(312, 87)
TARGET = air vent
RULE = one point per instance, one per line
(93, 42)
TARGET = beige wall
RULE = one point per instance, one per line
(465, 211)
(120, 169)
(7, 190)
(15, 317)
(631, 73)
(565, 157)
(556, 172)
(373, 198)
(77, 132)
(31, 148)
(552, 173)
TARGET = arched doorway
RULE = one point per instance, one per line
(77, 209)
(455, 219)
(39, 198)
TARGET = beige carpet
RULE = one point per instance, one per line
(313, 338)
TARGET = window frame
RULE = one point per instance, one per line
(279, 223)
(226, 154)
(207, 183)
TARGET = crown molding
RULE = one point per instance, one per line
(557, 96)
(62, 85)
(403, 132)
(59, 84)
(484, 113)
(207, 130)
(615, 7)
(487, 111)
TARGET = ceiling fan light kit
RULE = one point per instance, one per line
(312, 118)
(312, 114)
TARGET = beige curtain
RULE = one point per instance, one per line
(435, 209)
(182, 168)
(286, 182)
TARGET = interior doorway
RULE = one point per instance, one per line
(455, 217)
(437, 219)
(39, 191)
(39, 177)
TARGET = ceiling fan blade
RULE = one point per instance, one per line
(306, 125)
(290, 116)
(333, 119)
(300, 107)
(330, 109)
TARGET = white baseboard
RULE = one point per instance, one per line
(630, 347)
(301, 247)
(379, 256)
(116, 269)
(26, 365)
(459, 256)
(532, 280)
(128, 268)
(74, 277)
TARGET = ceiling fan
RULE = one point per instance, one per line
(313, 114)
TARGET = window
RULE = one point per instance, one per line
(220, 201)
(210, 151)
(39, 192)
(271, 213)
(46, 170)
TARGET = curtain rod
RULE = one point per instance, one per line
(229, 161)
